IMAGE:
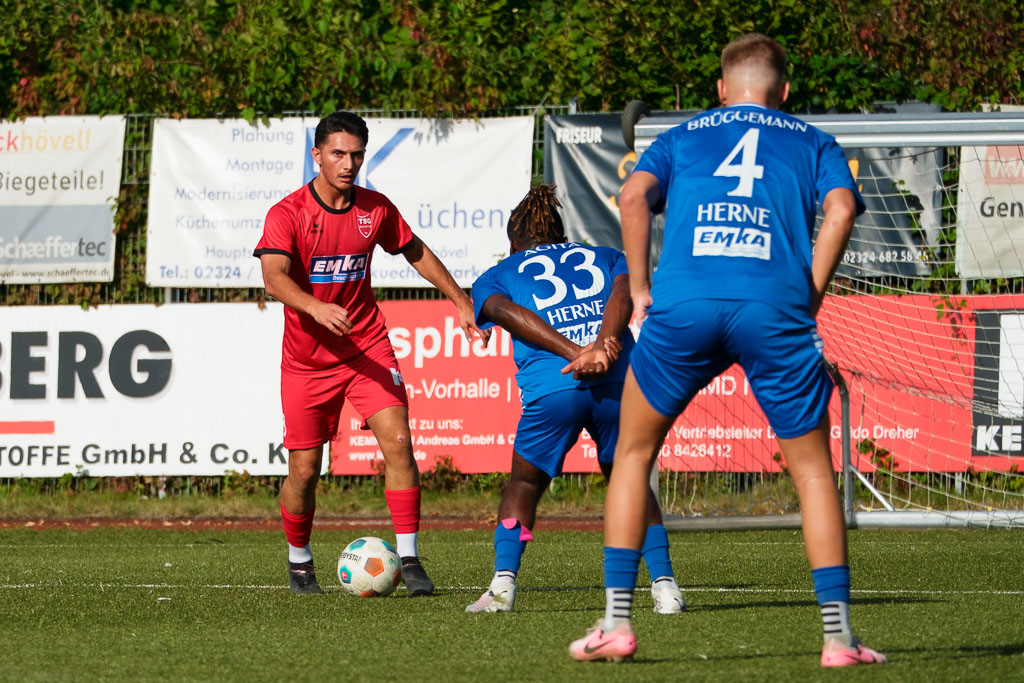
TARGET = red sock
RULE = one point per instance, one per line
(404, 505)
(297, 527)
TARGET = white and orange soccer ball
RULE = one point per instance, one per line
(369, 568)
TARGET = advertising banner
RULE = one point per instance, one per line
(59, 181)
(141, 390)
(455, 183)
(902, 190)
(587, 159)
(585, 155)
(990, 212)
(211, 183)
(193, 389)
(912, 403)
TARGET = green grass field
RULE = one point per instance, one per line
(132, 604)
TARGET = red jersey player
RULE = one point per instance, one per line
(316, 250)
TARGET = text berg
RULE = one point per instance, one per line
(79, 354)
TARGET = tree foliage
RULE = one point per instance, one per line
(225, 57)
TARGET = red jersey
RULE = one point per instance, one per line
(330, 253)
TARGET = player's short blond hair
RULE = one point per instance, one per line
(756, 51)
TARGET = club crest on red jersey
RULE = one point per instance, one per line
(365, 224)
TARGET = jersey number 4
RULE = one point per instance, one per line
(547, 274)
(748, 169)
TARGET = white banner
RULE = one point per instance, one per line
(455, 182)
(212, 182)
(990, 211)
(210, 185)
(59, 181)
(141, 390)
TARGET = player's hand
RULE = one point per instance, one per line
(641, 302)
(333, 317)
(467, 320)
(612, 347)
(592, 363)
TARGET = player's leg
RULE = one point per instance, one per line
(378, 393)
(298, 506)
(787, 375)
(824, 529)
(390, 426)
(665, 592)
(678, 353)
(642, 430)
(547, 429)
(604, 428)
(517, 513)
(311, 406)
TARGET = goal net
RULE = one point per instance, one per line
(924, 323)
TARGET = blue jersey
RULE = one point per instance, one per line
(567, 285)
(742, 185)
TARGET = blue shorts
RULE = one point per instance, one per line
(681, 350)
(551, 424)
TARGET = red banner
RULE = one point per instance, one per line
(910, 363)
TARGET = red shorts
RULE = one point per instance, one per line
(312, 400)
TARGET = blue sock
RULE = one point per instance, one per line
(508, 548)
(620, 567)
(655, 552)
(832, 584)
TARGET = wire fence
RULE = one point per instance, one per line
(128, 285)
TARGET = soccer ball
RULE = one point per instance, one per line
(369, 568)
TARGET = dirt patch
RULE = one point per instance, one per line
(271, 524)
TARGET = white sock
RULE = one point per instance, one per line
(504, 576)
(298, 555)
(669, 580)
(406, 544)
(618, 607)
(836, 618)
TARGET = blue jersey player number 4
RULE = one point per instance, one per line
(737, 282)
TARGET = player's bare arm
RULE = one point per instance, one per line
(280, 285)
(526, 325)
(639, 194)
(840, 210)
(596, 361)
(433, 271)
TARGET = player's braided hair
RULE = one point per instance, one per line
(535, 220)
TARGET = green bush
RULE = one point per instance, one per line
(202, 58)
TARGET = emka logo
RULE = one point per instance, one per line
(999, 384)
(341, 268)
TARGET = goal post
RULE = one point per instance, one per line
(924, 321)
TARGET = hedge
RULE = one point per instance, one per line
(202, 58)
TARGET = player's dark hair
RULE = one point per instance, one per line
(535, 219)
(341, 122)
(755, 47)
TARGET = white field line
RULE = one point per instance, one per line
(761, 591)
